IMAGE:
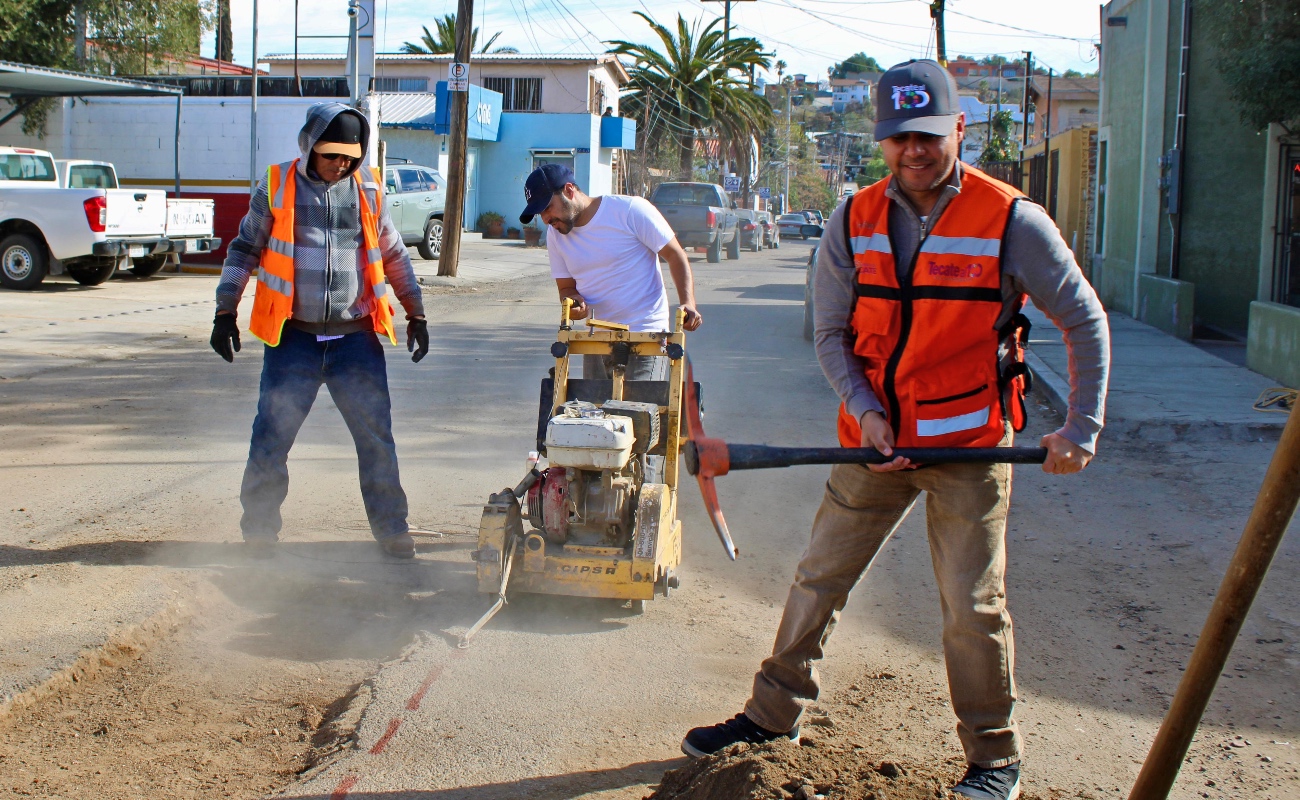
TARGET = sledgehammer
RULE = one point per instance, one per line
(708, 458)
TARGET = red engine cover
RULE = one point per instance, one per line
(548, 504)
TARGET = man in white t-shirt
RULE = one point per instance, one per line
(605, 255)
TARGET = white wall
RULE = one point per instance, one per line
(136, 135)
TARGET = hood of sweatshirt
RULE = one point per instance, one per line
(319, 118)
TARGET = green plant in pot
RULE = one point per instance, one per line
(532, 234)
(512, 233)
(490, 224)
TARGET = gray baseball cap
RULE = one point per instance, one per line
(917, 95)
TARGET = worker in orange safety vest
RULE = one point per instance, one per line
(325, 254)
(919, 290)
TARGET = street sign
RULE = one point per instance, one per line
(765, 192)
(458, 76)
(731, 183)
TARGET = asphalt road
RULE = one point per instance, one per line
(125, 436)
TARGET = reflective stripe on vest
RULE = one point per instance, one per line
(930, 340)
(273, 301)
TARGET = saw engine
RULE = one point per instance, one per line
(599, 461)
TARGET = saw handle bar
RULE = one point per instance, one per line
(718, 458)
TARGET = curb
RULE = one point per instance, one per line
(124, 644)
(1056, 390)
(1051, 386)
(200, 269)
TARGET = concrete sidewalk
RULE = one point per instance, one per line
(1161, 388)
(485, 261)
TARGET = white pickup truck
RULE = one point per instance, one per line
(76, 220)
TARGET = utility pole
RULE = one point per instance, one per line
(1024, 117)
(252, 121)
(789, 127)
(454, 211)
(936, 13)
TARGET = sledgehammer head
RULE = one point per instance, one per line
(707, 458)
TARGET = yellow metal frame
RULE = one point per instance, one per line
(629, 573)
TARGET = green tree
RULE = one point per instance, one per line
(1258, 54)
(445, 40)
(1001, 144)
(696, 82)
(124, 37)
(858, 62)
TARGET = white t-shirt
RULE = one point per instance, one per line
(615, 260)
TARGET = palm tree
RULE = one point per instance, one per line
(445, 41)
(698, 81)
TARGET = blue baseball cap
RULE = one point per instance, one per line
(541, 186)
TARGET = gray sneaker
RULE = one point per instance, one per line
(1002, 783)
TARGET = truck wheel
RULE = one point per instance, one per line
(733, 249)
(23, 262)
(430, 246)
(715, 250)
(92, 275)
(147, 265)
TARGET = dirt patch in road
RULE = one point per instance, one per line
(186, 718)
(814, 768)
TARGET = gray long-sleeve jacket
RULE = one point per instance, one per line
(1035, 261)
(329, 252)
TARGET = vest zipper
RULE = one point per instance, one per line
(329, 261)
(905, 330)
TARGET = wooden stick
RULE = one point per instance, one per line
(1268, 521)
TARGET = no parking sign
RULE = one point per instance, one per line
(458, 76)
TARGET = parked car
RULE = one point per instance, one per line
(771, 236)
(796, 224)
(809, 308)
(415, 197)
(751, 232)
(46, 229)
(189, 219)
(701, 216)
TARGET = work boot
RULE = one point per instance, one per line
(1002, 783)
(400, 546)
(701, 742)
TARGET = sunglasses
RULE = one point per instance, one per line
(336, 157)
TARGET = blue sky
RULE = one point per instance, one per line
(810, 35)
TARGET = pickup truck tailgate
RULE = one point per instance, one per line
(189, 218)
(136, 212)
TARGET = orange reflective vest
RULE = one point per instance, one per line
(273, 300)
(945, 372)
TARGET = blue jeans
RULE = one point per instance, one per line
(353, 369)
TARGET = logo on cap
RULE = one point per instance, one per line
(910, 97)
(528, 194)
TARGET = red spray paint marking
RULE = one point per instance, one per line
(393, 725)
(413, 704)
(341, 791)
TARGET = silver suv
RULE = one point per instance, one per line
(415, 196)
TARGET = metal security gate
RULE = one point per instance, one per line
(1286, 270)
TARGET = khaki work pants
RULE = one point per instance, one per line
(966, 515)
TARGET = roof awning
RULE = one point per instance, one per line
(413, 111)
(21, 81)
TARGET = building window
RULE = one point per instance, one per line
(1287, 258)
(517, 94)
(401, 84)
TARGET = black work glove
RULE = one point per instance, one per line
(417, 339)
(225, 336)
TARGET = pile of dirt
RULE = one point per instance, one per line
(189, 717)
(814, 768)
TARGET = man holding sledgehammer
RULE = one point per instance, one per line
(919, 289)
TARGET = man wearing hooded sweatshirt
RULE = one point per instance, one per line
(325, 252)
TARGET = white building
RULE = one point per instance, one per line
(849, 91)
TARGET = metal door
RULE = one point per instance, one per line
(471, 188)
